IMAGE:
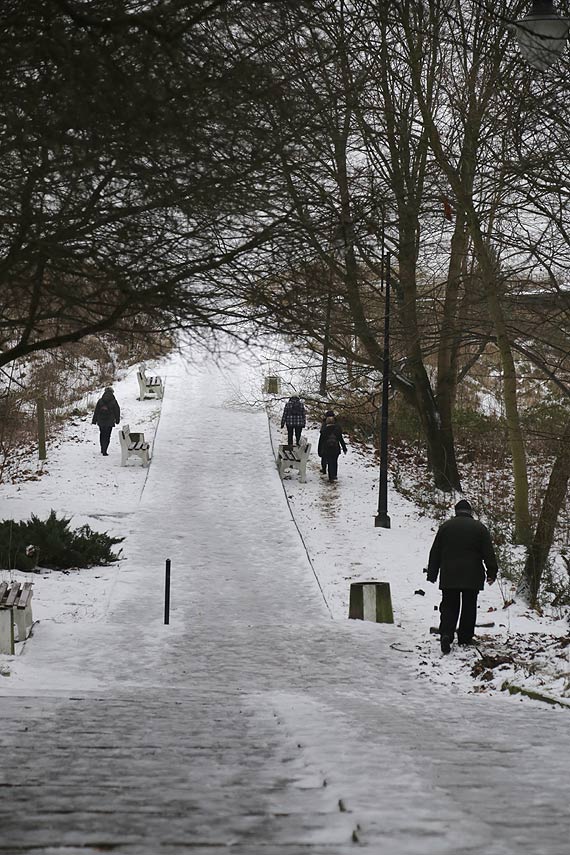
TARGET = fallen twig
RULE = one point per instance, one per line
(530, 693)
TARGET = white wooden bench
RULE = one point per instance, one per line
(133, 445)
(15, 611)
(294, 457)
(149, 387)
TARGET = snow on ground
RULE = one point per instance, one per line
(336, 523)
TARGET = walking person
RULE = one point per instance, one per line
(323, 423)
(107, 414)
(294, 418)
(331, 441)
(463, 556)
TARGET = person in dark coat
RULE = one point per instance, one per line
(463, 556)
(294, 418)
(107, 414)
(331, 441)
(323, 423)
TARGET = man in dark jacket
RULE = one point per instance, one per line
(463, 555)
(107, 414)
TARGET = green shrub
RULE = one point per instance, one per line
(404, 422)
(472, 428)
(51, 543)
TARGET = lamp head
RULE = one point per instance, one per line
(542, 35)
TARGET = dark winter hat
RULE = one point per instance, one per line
(463, 507)
(330, 413)
(109, 390)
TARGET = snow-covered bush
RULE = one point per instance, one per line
(53, 544)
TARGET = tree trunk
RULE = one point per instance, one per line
(441, 451)
(439, 435)
(448, 342)
(522, 532)
(440, 444)
(463, 192)
(537, 554)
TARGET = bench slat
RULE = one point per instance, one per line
(12, 595)
(3, 590)
(25, 595)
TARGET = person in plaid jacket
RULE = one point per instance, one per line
(294, 418)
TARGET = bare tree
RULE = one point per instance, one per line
(353, 166)
(130, 172)
(475, 53)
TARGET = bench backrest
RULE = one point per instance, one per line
(294, 453)
(15, 594)
(127, 438)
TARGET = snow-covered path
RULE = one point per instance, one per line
(254, 721)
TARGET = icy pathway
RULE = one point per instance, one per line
(254, 723)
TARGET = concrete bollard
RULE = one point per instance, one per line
(272, 385)
(371, 601)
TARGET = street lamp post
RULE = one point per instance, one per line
(382, 520)
(542, 35)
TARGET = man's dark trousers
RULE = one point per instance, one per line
(452, 601)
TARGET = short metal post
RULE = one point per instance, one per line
(41, 429)
(167, 593)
